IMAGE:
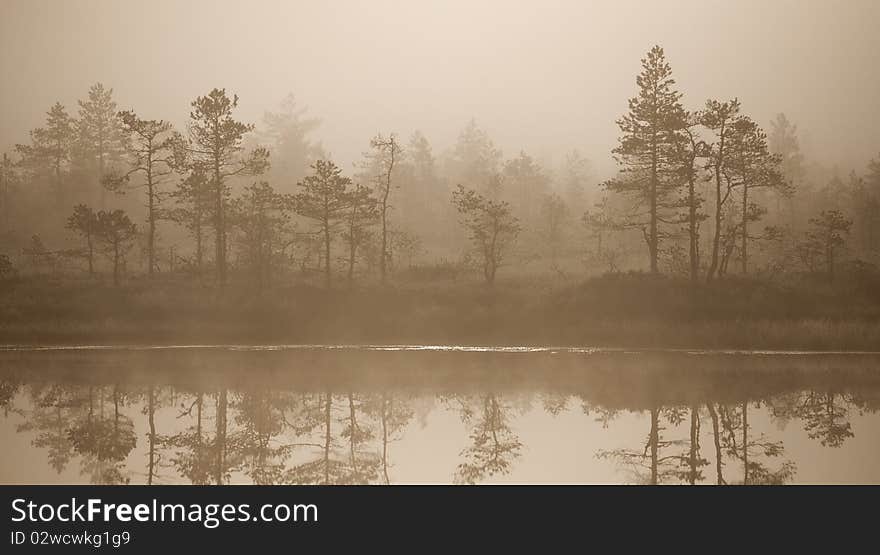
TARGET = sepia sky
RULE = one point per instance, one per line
(543, 76)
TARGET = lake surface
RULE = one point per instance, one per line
(211, 415)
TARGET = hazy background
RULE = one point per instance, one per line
(541, 76)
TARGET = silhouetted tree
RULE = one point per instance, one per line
(719, 117)
(49, 151)
(84, 222)
(751, 166)
(193, 196)
(650, 133)
(102, 139)
(149, 146)
(388, 152)
(361, 213)
(116, 231)
(324, 199)
(827, 236)
(689, 149)
(491, 225)
(215, 144)
(261, 215)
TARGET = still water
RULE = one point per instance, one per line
(229, 415)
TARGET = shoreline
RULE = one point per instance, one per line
(410, 348)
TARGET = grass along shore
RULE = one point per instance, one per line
(615, 310)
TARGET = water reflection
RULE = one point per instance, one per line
(380, 418)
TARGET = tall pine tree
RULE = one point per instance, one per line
(647, 146)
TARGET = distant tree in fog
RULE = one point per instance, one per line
(491, 225)
(525, 183)
(116, 232)
(825, 238)
(554, 212)
(388, 153)
(649, 134)
(84, 222)
(575, 180)
(474, 161)
(215, 145)
(261, 215)
(102, 138)
(783, 142)
(324, 199)
(362, 212)
(287, 131)
(866, 204)
(193, 209)
(149, 146)
(48, 153)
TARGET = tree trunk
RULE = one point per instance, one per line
(327, 252)
(692, 231)
(151, 212)
(221, 437)
(91, 253)
(745, 230)
(694, 446)
(116, 263)
(654, 440)
(745, 446)
(198, 230)
(386, 407)
(653, 240)
(716, 436)
(328, 400)
(716, 240)
(151, 411)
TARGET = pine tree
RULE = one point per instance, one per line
(215, 144)
(324, 199)
(49, 152)
(150, 152)
(101, 139)
(650, 131)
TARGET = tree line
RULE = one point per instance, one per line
(704, 193)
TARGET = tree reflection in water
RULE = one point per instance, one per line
(329, 425)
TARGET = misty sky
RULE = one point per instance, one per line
(545, 76)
